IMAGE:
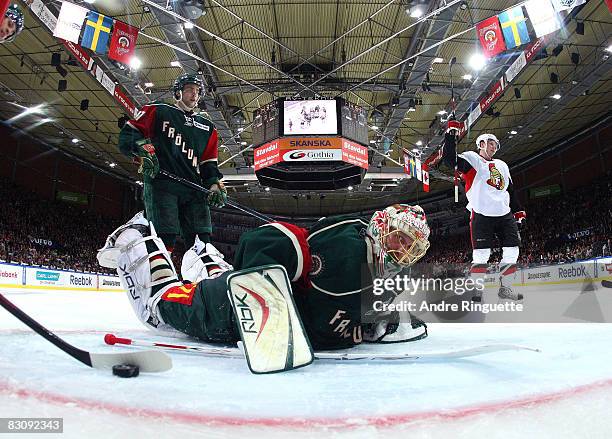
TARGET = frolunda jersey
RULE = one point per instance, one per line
(329, 270)
(183, 141)
(486, 185)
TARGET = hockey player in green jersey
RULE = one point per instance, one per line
(178, 140)
(330, 266)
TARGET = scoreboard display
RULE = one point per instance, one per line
(353, 122)
(310, 117)
(310, 144)
(320, 117)
(266, 123)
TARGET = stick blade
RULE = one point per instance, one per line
(147, 361)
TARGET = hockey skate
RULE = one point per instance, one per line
(509, 293)
(477, 295)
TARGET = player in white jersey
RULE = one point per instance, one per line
(494, 208)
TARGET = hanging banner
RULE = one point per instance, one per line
(543, 17)
(44, 14)
(123, 42)
(514, 27)
(70, 22)
(425, 178)
(490, 36)
(4, 4)
(567, 5)
(97, 32)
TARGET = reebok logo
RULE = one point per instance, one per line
(572, 272)
(80, 280)
(247, 321)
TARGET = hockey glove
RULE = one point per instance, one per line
(520, 217)
(453, 127)
(146, 158)
(218, 195)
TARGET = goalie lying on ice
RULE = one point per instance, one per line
(329, 268)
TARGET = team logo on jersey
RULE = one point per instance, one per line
(188, 121)
(317, 265)
(496, 179)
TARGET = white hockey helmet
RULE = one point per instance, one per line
(486, 137)
(400, 233)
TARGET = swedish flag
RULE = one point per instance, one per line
(514, 27)
(97, 32)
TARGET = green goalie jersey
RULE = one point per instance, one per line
(329, 266)
(185, 143)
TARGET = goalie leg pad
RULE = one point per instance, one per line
(203, 261)
(143, 265)
(270, 327)
(108, 256)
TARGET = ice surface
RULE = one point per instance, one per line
(564, 391)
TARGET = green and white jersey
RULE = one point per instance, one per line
(330, 268)
(183, 141)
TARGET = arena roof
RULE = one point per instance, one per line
(370, 52)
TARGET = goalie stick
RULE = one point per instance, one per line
(147, 361)
(230, 352)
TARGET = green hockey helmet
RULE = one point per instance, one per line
(185, 79)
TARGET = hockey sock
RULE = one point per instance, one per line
(478, 273)
(506, 274)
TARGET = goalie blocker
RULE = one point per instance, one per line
(270, 328)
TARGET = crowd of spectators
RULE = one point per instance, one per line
(567, 227)
(51, 234)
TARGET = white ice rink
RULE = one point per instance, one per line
(563, 392)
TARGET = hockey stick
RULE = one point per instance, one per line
(227, 352)
(147, 361)
(230, 203)
(606, 283)
(452, 115)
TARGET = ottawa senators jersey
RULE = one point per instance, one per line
(486, 185)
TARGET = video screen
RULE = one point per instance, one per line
(266, 123)
(354, 122)
(310, 117)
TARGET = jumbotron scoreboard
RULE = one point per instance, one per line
(310, 144)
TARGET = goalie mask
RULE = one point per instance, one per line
(13, 13)
(400, 233)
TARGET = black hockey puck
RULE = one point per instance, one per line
(126, 370)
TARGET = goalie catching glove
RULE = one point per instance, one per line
(144, 155)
